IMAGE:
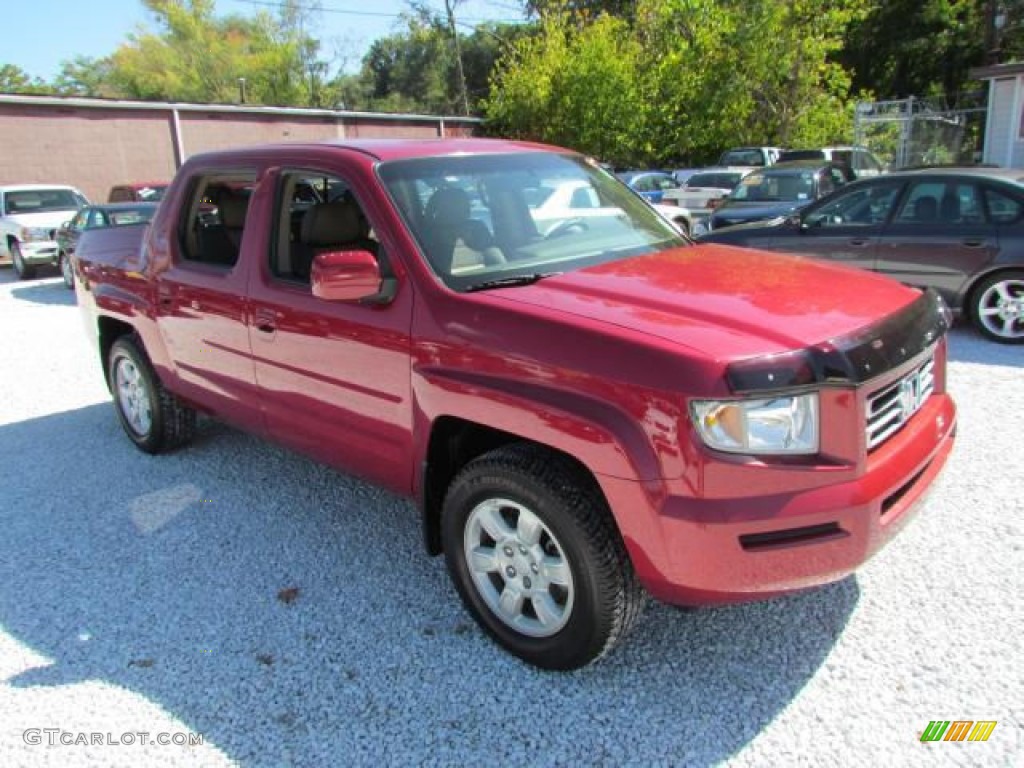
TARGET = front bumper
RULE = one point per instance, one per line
(41, 252)
(756, 542)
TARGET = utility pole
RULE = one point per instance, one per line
(449, 6)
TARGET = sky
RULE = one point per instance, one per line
(64, 29)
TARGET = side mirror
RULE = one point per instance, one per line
(346, 276)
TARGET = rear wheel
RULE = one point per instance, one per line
(66, 270)
(154, 419)
(997, 307)
(23, 270)
(535, 555)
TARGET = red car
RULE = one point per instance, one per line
(138, 192)
(582, 411)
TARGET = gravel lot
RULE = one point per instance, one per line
(141, 594)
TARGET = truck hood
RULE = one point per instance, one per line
(43, 219)
(723, 301)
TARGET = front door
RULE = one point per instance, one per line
(334, 376)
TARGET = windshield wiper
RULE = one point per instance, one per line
(508, 282)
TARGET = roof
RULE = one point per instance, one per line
(1008, 174)
(996, 71)
(34, 187)
(795, 166)
(398, 149)
(136, 206)
(128, 104)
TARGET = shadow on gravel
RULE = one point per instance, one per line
(163, 575)
(50, 293)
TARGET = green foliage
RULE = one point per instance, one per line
(16, 80)
(685, 79)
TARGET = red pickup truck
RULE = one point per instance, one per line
(585, 410)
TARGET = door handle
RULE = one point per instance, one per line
(265, 320)
(859, 241)
(974, 242)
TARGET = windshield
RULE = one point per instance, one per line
(42, 200)
(485, 218)
(774, 188)
(742, 157)
(714, 180)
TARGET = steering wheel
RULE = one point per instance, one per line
(566, 226)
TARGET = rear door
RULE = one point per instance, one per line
(202, 296)
(939, 236)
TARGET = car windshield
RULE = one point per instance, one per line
(41, 201)
(152, 194)
(122, 217)
(714, 180)
(775, 187)
(508, 217)
(742, 157)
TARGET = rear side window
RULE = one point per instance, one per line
(1002, 209)
(213, 219)
(941, 202)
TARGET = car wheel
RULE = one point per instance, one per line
(154, 419)
(997, 307)
(537, 559)
(66, 270)
(23, 270)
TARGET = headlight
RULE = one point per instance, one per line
(31, 234)
(776, 425)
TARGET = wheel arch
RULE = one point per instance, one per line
(453, 443)
(970, 292)
(109, 330)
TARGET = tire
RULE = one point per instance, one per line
(23, 270)
(154, 419)
(67, 271)
(552, 582)
(997, 307)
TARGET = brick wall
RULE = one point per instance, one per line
(94, 145)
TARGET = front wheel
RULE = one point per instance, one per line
(67, 271)
(23, 270)
(997, 307)
(154, 419)
(537, 559)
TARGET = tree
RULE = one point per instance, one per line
(16, 80)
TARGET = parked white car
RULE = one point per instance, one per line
(30, 215)
(701, 194)
(574, 201)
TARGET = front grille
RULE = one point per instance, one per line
(890, 408)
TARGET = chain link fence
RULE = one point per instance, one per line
(912, 131)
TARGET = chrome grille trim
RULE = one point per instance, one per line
(894, 405)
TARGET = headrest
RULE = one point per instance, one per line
(232, 210)
(447, 206)
(333, 223)
(476, 235)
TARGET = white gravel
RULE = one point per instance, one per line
(139, 594)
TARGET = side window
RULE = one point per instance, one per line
(97, 220)
(921, 205)
(214, 217)
(838, 179)
(1002, 209)
(644, 184)
(79, 221)
(318, 213)
(864, 206)
(666, 182)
